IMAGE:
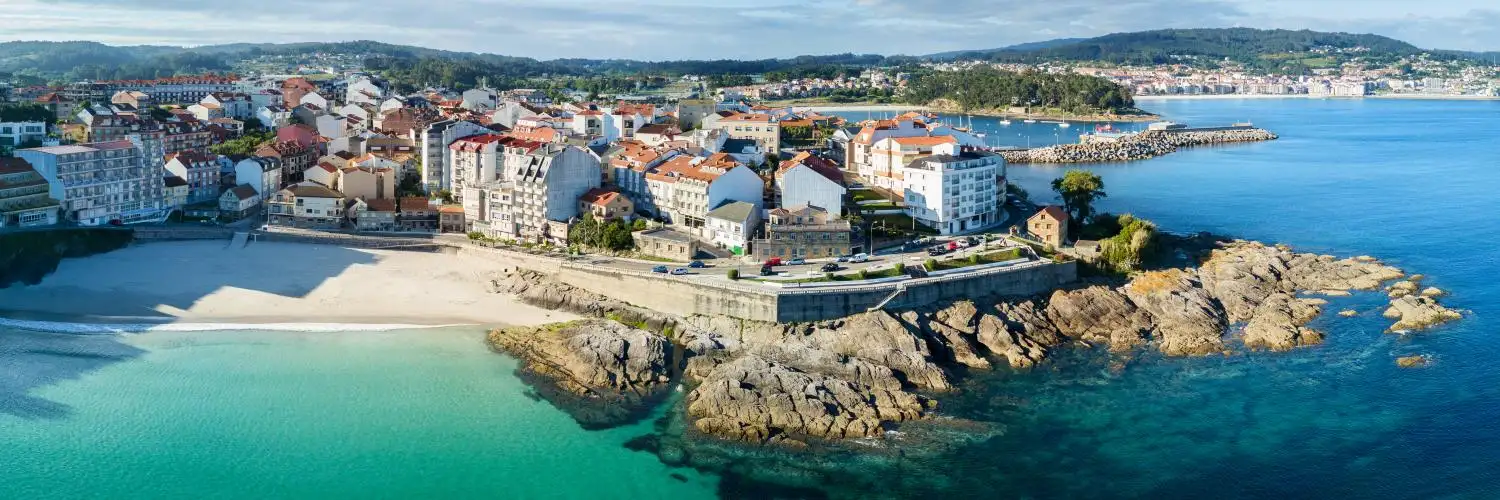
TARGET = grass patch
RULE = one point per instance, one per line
(900, 222)
(988, 258)
(870, 275)
(866, 195)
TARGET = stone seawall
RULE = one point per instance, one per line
(759, 302)
(1140, 146)
(798, 305)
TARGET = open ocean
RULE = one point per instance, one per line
(434, 414)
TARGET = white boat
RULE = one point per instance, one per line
(1063, 125)
(1030, 121)
(1005, 122)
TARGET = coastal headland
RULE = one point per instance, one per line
(861, 376)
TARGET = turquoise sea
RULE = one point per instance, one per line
(433, 414)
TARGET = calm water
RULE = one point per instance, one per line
(237, 414)
(433, 414)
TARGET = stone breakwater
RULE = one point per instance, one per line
(1140, 146)
(861, 376)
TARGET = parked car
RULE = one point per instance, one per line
(937, 250)
(916, 272)
(766, 270)
(659, 269)
(860, 257)
(773, 262)
(697, 264)
(843, 258)
(796, 262)
(962, 243)
(679, 271)
(830, 267)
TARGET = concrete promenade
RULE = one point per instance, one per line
(701, 294)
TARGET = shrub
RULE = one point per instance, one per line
(734, 274)
(862, 275)
(974, 259)
(476, 235)
(638, 225)
(900, 268)
(828, 276)
(931, 264)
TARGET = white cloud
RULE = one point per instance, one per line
(676, 29)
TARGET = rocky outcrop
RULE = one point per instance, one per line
(1277, 323)
(1413, 312)
(755, 399)
(601, 371)
(864, 374)
(1099, 315)
(1418, 361)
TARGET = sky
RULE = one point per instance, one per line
(728, 29)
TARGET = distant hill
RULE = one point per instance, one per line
(1020, 47)
(1245, 45)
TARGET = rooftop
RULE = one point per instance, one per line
(665, 234)
(736, 211)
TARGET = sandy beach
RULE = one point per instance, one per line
(203, 282)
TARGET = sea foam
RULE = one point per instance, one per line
(161, 326)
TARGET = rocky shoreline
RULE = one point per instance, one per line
(866, 375)
(1141, 146)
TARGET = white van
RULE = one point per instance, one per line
(860, 257)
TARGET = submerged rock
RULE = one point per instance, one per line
(1418, 361)
(602, 372)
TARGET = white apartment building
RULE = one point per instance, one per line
(98, 183)
(888, 158)
(16, 134)
(435, 153)
(535, 196)
(956, 190)
(263, 173)
(307, 204)
(682, 190)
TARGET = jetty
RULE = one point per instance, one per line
(1158, 140)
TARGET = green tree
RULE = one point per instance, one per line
(733, 274)
(900, 268)
(1079, 189)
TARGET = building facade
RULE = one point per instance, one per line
(25, 200)
(955, 191)
(100, 183)
(805, 232)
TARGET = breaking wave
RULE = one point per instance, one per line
(145, 325)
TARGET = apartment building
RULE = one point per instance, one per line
(200, 171)
(682, 190)
(25, 200)
(436, 155)
(17, 134)
(308, 205)
(758, 127)
(102, 182)
(956, 190)
(543, 190)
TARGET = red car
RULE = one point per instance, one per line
(773, 261)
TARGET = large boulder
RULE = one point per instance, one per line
(1099, 315)
(601, 372)
(1277, 324)
(1188, 321)
(1413, 312)
(758, 400)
